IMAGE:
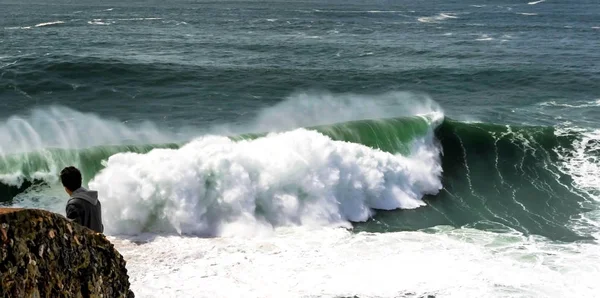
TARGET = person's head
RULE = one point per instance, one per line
(70, 177)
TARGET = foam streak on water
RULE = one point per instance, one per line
(437, 18)
(49, 23)
(536, 2)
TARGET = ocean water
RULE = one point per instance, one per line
(316, 148)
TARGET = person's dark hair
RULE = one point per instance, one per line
(70, 178)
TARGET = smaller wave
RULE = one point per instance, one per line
(97, 22)
(358, 11)
(303, 35)
(536, 2)
(437, 18)
(384, 11)
(49, 24)
(139, 19)
(528, 13)
(177, 23)
(113, 21)
(484, 37)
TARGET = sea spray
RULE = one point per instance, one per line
(61, 127)
(36, 146)
(315, 108)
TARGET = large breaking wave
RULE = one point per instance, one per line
(425, 170)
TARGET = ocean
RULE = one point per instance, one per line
(316, 148)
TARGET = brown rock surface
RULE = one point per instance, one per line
(42, 254)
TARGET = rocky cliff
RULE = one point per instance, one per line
(42, 254)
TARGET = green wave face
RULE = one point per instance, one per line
(498, 178)
(390, 135)
(495, 177)
(394, 135)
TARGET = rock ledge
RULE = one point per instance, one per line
(43, 254)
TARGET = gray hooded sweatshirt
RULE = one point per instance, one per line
(85, 209)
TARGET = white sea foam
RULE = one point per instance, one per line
(384, 11)
(215, 186)
(358, 11)
(15, 28)
(582, 162)
(484, 37)
(139, 19)
(585, 104)
(15, 179)
(437, 18)
(49, 24)
(37, 25)
(98, 22)
(335, 263)
(112, 21)
(536, 2)
(177, 23)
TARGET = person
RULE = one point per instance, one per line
(83, 206)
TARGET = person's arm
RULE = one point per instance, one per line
(75, 213)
